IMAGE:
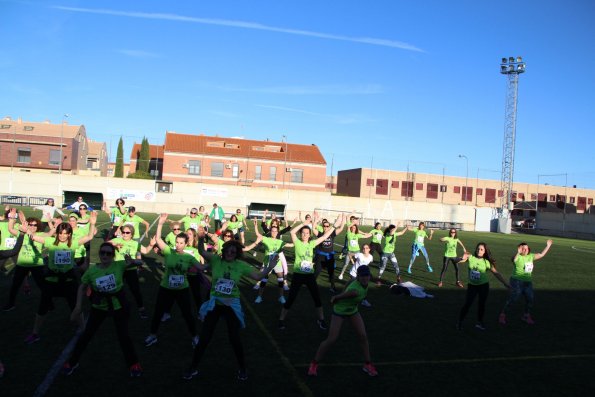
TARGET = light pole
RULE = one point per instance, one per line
(462, 156)
(285, 165)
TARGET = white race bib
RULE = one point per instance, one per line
(106, 283)
(10, 242)
(377, 237)
(194, 226)
(117, 220)
(529, 267)
(176, 281)
(62, 258)
(474, 275)
(234, 231)
(129, 223)
(353, 243)
(306, 267)
(224, 286)
(420, 239)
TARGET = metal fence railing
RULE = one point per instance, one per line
(14, 200)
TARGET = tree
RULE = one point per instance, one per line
(144, 158)
(119, 171)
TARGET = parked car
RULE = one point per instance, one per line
(528, 223)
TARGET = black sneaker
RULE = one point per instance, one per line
(281, 324)
(191, 373)
(480, 326)
(9, 308)
(321, 324)
(242, 374)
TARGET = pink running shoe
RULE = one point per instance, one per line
(313, 369)
(370, 369)
(528, 319)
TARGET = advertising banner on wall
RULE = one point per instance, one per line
(129, 194)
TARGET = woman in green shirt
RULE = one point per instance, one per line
(479, 264)
(105, 280)
(521, 281)
(345, 307)
(116, 214)
(418, 245)
(353, 235)
(450, 255)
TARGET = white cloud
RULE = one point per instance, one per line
(245, 25)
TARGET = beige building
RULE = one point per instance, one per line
(97, 159)
(431, 188)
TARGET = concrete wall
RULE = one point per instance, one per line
(580, 226)
(186, 195)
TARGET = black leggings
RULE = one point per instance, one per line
(131, 278)
(472, 291)
(20, 273)
(455, 263)
(96, 317)
(208, 328)
(375, 247)
(329, 264)
(64, 289)
(296, 282)
(165, 299)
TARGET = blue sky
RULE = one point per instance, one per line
(387, 84)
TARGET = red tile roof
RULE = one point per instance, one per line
(155, 151)
(237, 147)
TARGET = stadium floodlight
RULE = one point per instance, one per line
(504, 60)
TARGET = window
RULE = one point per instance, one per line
(382, 186)
(533, 197)
(154, 173)
(582, 204)
(297, 175)
(24, 155)
(590, 201)
(572, 200)
(490, 196)
(467, 194)
(215, 144)
(457, 189)
(5, 126)
(232, 146)
(394, 184)
(164, 187)
(552, 197)
(235, 171)
(258, 172)
(542, 200)
(28, 128)
(500, 193)
(419, 186)
(442, 188)
(217, 169)
(369, 182)
(273, 173)
(406, 189)
(479, 191)
(432, 191)
(194, 167)
(55, 157)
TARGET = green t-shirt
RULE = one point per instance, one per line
(30, 254)
(234, 226)
(352, 241)
(226, 277)
(7, 240)
(240, 217)
(84, 225)
(523, 267)
(389, 244)
(219, 248)
(478, 270)
(377, 236)
(176, 268)
(347, 307)
(450, 248)
(170, 240)
(190, 222)
(130, 247)
(272, 245)
(135, 221)
(76, 235)
(304, 255)
(61, 256)
(107, 280)
(117, 215)
(419, 236)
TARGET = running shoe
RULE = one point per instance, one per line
(480, 326)
(340, 276)
(30, 339)
(258, 299)
(370, 369)
(313, 369)
(460, 284)
(256, 286)
(409, 269)
(440, 284)
(341, 256)
(528, 319)
(189, 374)
(150, 340)
(285, 286)
(136, 370)
(142, 313)
(195, 341)
(281, 324)
(9, 308)
(398, 279)
(365, 303)
(165, 317)
(282, 300)
(242, 374)
(430, 269)
(502, 319)
(321, 324)
(68, 369)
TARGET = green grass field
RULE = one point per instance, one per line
(413, 342)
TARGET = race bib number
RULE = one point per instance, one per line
(234, 231)
(353, 243)
(106, 283)
(420, 239)
(129, 223)
(117, 220)
(529, 267)
(306, 267)
(10, 242)
(62, 258)
(176, 281)
(194, 226)
(224, 286)
(378, 237)
(474, 275)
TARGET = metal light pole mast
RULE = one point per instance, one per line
(510, 67)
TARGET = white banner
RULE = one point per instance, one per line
(209, 191)
(134, 195)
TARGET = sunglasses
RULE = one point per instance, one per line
(82, 208)
(126, 232)
(326, 226)
(193, 213)
(176, 228)
(228, 236)
(106, 253)
(33, 224)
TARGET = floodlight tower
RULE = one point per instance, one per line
(512, 68)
